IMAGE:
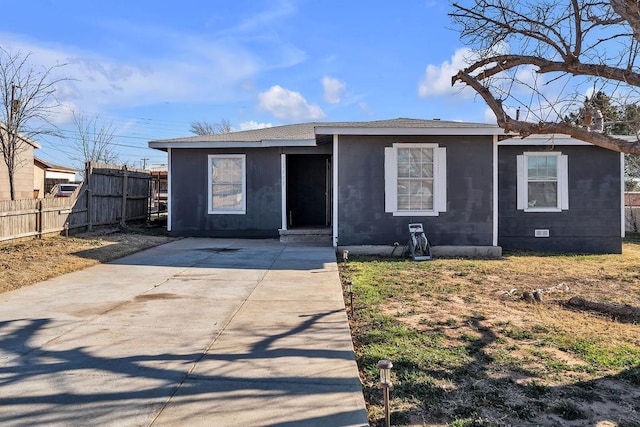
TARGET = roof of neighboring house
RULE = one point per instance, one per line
(24, 138)
(306, 134)
(52, 167)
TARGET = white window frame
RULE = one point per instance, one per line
(243, 209)
(439, 179)
(523, 181)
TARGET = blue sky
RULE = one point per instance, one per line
(153, 67)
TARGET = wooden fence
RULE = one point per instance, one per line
(109, 195)
(632, 219)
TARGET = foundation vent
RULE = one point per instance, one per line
(541, 233)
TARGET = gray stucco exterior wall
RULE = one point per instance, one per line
(592, 223)
(362, 219)
(189, 195)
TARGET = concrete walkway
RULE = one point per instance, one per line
(216, 332)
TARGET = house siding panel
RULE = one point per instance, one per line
(361, 198)
(592, 222)
(189, 195)
(23, 183)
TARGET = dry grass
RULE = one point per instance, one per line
(29, 261)
(469, 351)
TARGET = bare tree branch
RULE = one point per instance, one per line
(94, 140)
(525, 129)
(207, 128)
(28, 99)
(506, 62)
(629, 10)
(580, 45)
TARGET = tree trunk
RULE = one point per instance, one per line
(12, 191)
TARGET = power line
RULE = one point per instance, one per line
(114, 135)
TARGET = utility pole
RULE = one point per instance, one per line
(13, 106)
(144, 162)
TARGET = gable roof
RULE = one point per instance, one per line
(307, 134)
(26, 139)
(52, 167)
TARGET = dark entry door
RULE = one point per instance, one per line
(307, 190)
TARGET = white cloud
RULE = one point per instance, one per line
(286, 104)
(251, 124)
(437, 79)
(202, 68)
(365, 108)
(489, 116)
(528, 77)
(95, 81)
(333, 89)
(258, 21)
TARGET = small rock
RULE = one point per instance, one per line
(537, 295)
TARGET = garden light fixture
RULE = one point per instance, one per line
(385, 382)
(348, 285)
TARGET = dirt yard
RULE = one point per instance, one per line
(29, 261)
(469, 350)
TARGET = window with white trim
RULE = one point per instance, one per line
(543, 184)
(227, 184)
(415, 179)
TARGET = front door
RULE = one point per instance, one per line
(308, 190)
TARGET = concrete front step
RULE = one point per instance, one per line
(306, 235)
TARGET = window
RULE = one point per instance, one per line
(415, 179)
(543, 182)
(227, 184)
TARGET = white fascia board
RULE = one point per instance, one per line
(235, 144)
(169, 192)
(495, 191)
(556, 140)
(546, 141)
(283, 190)
(623, 222)
(70, 175)
(288, 143)
(329, 130)
(334, 183)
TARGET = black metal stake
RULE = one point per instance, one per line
(351, 300)
(387, 415)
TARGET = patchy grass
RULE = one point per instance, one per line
(467, 351)
(29, 261)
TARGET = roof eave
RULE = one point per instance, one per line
(554, 139)
(61, 170)
(25, 138)
(163, 145)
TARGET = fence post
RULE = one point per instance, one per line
(39, 218)
(125, 177)
(149, 196)
(87, 182)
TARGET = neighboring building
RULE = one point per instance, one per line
(632, 198)
(470, 185)
(39, 168)
(47, 175)
(23, 178)
(159, 188)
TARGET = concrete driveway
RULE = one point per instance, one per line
(222, 332)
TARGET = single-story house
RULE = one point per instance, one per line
(362, 183)
(46, 175)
